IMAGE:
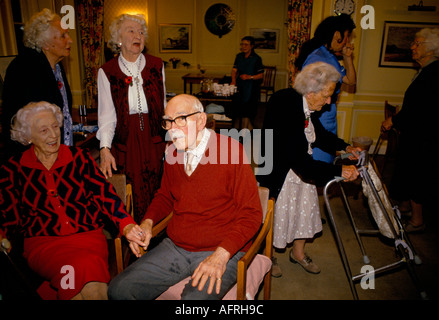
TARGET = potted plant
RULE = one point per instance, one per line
(174, 62)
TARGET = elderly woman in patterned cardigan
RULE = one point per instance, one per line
(131, 95)
(56, 197)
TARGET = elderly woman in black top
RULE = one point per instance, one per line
(37, 74)
(417, 123)
(292, 114)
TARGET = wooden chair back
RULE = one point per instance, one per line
(268, 82)
(124, 191)
(264, 238)
(211, 122)
(391, 136)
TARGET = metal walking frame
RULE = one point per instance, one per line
(392, 217)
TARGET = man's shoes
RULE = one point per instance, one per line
(410, 228)
(306, 263)
(276, 272)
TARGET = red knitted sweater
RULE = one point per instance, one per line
(217, 206)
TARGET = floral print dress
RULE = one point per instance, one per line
(297, 210)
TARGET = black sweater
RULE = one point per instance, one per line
(29, 78)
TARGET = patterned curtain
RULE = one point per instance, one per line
(90, 15)
(299, 29)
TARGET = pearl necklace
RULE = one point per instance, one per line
(137, 81)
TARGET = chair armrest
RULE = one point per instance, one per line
(118, 254)
(129, 201)
(264, 235)
(159, 227)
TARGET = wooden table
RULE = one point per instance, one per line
(226, 102)
(89, 141)
(196, 78)
(91, 118)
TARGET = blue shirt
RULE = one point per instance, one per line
(252, 66)
(328, 117)
(68, 122)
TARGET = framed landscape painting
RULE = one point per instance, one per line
(266, 40)
(396, 43)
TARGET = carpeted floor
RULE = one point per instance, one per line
(332, 283)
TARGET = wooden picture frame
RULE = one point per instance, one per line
(175, 38)
(266, 40)
(396, 42)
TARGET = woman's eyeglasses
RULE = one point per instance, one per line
(417, 43)
(179, 121)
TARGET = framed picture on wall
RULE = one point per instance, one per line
(266, 40)
(396, 43)
(175, 38)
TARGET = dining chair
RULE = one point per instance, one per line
(267, 86)
(253, 268)
(211, 123)
(32, 286)
(391, 136)
(124, 191)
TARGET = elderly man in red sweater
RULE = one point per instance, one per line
(209, 185)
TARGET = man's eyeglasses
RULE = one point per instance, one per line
(179, 121)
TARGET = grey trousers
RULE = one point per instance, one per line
(162, 267)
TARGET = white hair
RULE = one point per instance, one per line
(22, 120)
(38, 29)
(113, 43)
(431, 37)
(189, 100)
(315, 77)
(198, 106)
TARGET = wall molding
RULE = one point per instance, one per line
(377, 99)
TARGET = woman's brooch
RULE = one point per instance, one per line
(52, 193)
(129, 81)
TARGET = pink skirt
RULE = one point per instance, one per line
(69, 262)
